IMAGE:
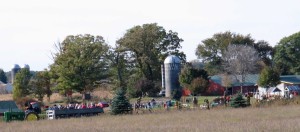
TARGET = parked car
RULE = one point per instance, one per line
(162, 93)
(103, 104)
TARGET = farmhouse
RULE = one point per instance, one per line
(5, 88)
(290, 84)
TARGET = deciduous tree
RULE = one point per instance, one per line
(40, 85)
(194, 79)
(211, 50)
(240, 60)
(199, 85)
(150, 44)
(269, 77)
(80, 61)
(226, 82)
(287, 54)
(21, 84)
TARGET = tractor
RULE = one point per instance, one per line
(32, 111)
(30, 114)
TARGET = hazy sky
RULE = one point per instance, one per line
(29, 28)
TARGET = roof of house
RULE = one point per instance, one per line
(250, 80)
(273, 90)
(293, 88)
(7, 105)
(292, 79)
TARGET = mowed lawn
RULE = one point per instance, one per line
(268, 119)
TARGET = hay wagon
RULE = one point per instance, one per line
(65, 113)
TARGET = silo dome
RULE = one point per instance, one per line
(26, 66)
(172, 59)
(16, 66)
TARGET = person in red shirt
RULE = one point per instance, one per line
(83, 106)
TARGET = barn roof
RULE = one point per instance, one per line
(250, 80)
(292, 79)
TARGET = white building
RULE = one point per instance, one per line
(290, 84)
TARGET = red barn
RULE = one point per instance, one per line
(216, 88)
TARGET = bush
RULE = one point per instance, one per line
(120, 104)
(176, 94)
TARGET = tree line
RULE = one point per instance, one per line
(83, 62)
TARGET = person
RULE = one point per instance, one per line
(76, 106)
(195, 101)
(207, 103)
(291, 95)
(168, 104)
(153, 102)
(29, 107)
(91, 105)
(83, 106)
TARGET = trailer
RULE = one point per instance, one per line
(66, 113)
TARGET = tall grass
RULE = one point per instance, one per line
(284, 118)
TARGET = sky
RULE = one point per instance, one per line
(30, 28)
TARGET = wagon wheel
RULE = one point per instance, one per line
(32, 116)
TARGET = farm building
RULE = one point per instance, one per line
(217, 87)
(290, 84)
(5, 88)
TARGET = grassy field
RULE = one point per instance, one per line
(270, 119)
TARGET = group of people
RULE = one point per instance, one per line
(76, 106)
(149, 105)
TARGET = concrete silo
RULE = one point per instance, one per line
(15, 69)
(26, 66)
(170, 74)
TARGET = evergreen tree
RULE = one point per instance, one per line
(120, 104)
(176, 94)
(3, 77)
(238, 101)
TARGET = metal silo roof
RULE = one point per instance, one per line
(16, 66)
(26, 66)
(172, 59)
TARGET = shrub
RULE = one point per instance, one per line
(176, 94)
(238, 101)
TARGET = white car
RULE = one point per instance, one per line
(162, 93)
